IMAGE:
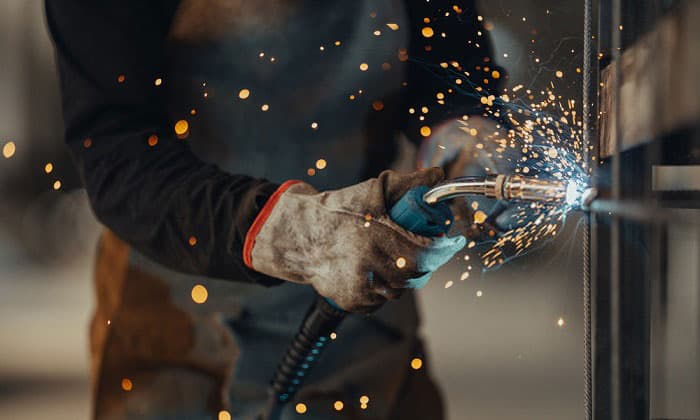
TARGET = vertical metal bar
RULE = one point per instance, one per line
(615, 257)
(587, 110)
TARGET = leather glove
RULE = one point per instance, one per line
(343, 242)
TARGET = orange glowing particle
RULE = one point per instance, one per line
(199, 294)
(311, 172)
(425, 131)
(57, 185)
(559, 74)
(152, 140)
(121, 78)
(337, 43)
(377, 105)
(48, 168)
(87, 143)
(321, 164)
(393, 26)
(364, 67)
(440, 95)
(127, 385)
(264, 107)
(244, 93)
(426, 20)
(479, 217)
(224, 415)
(192, 241)
(301, 408)
(427, 32)
(496, 74)
(193, 111)
(8, 150)
(416, 363)
(401, 262)
(158, 82)
(338, 406)
(181, 128)
(364, 399)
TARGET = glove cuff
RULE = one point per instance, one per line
(260, 220)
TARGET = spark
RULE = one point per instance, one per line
(416, 363)
(199, 294)
(401, 262)
(127, 385)
(9, 149)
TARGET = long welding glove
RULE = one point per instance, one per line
(343, 242)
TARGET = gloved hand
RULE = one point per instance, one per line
(344, 243)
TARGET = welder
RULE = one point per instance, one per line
(189, 121)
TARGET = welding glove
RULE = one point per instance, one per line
(343, 242)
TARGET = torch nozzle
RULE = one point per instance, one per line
(507, 187)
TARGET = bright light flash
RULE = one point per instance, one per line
(573, 195)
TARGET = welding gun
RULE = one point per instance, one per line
(422, 211)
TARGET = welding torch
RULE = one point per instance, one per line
(414, 212)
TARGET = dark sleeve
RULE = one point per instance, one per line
(466, 44)
(143, 183)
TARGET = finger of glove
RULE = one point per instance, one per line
(396, 184)
(442, 251)
(419, 282)
(439, 252)
(394, 259)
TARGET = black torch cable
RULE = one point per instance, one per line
(302, 355)
(587, 110)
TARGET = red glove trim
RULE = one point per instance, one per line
(260, 220)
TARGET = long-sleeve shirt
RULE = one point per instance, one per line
(146, 184)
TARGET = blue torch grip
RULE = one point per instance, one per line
(414, 214)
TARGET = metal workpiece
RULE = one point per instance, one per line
(503, 187)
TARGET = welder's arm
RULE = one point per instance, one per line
(143, 183)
